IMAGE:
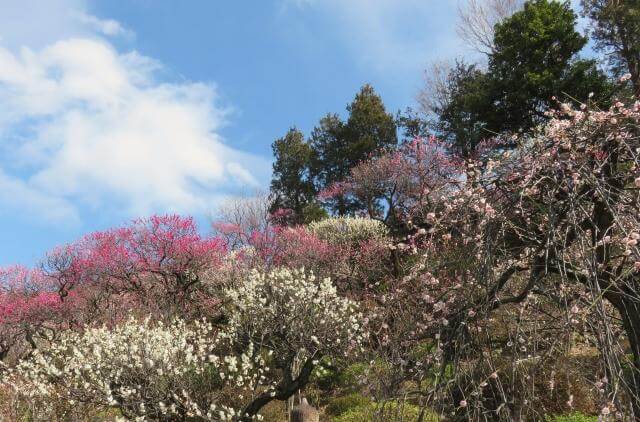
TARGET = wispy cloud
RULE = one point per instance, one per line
(389, 35)
(83, 124)
(107, 27)
(17, 197)
(36, 23)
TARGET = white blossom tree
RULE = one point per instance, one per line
(146, 371)
(298, 319)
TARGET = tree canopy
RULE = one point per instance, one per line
(304, 168)
(616, 32)
(534, 60)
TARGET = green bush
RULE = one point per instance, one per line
(573, 417)
(340, 405)
(390, 411)
(350, 376)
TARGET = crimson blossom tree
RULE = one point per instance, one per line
(157, 262)
(29, 310)
(154, 265)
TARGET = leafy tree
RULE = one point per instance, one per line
(533, 60)
(464, 102)
(329, 163)
(304, 168)
(338, 146)
(616, 31)
(313, 211)
(291, 185)
(369, 127)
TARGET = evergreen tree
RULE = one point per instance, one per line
(291, 185)
(535, 59)
(616, 31)
(464, 108)
(339, 146)
(369, 128)
(329, 163)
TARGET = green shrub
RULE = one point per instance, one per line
(339, 405)
(350, 376)
(389, 411)
(573, 417)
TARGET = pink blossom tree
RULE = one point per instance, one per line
(551, 225)
(30, 310)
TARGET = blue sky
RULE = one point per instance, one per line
(111, 110)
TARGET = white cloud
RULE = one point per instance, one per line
(107, 27)
(83, 124)
(37, 23)
(17, 197)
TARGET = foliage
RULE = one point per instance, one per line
(616, 32)
(338, 146)
(290, 183)
(533, 59)
(387, 411)
(463, 108)
(339, 405)
(369, 127)
(301, 169)
(573, 417)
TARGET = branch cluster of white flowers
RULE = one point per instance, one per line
(148, 371)
(290, 311)
(349, 230)
(154, 371)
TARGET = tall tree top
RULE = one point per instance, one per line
(290, 183)
(534, 59)
(538, 40)
(616, 31)
(369, 123)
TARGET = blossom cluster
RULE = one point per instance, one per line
(146, 370)
(349, 230)
(192, 369)
(291, 312)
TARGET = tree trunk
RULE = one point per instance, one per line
(287, 388)
(629, 308)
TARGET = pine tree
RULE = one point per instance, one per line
(290, 185)
(616, 31)
(338, 146)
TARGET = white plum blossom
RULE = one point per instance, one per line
(292, 312)
(342, 230)
(149, 371)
